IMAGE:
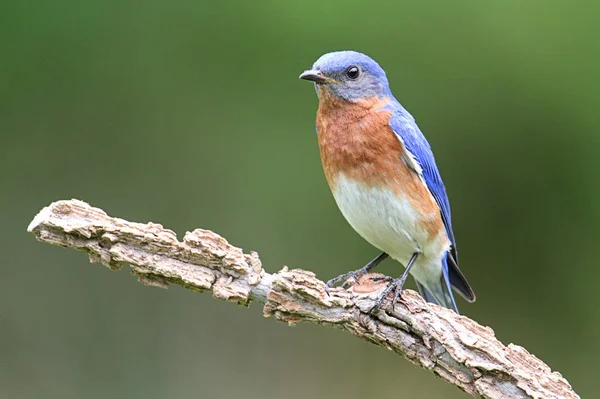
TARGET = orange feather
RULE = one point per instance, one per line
(356, 139)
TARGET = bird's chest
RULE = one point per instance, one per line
(384, 200)
(356, 139)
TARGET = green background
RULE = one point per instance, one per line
(190, 114)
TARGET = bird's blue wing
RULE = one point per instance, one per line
(416, 144)
(404, 125)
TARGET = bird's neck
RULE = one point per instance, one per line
(335, 114)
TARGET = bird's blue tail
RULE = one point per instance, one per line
(440, 292)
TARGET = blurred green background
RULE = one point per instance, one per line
(190, 114)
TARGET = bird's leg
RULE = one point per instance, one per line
(355, 274)
(395, 285)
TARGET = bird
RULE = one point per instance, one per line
(384, 179)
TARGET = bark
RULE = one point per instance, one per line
(454, 347)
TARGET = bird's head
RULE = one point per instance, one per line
(348, 75)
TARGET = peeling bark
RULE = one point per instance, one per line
(454, 347)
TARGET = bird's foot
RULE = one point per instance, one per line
(354, 275)
(395, 284)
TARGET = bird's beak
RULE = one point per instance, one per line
(315, 76)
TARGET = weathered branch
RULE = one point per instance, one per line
(454, 347)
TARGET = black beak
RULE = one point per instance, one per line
(315, 76)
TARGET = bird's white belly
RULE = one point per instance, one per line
(391, 224)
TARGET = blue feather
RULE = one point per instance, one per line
(404, 125)
(415, 142)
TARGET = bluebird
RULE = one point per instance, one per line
(384, 178)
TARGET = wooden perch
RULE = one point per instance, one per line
(454, 347)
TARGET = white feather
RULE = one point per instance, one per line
(392, 225)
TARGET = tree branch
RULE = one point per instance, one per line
(454, 347)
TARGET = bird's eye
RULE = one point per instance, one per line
(353, 72)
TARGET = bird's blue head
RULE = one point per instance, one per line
(349, 75)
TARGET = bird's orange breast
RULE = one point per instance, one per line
(356, 139)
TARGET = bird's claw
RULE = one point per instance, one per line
(381, 278)
(395, 284)
(344, 277)
(354, 276)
